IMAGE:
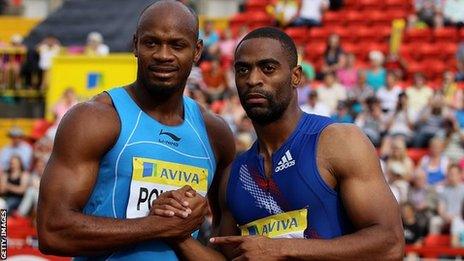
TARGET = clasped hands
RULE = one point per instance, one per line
(192, 208)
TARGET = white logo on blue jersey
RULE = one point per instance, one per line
(286, 162)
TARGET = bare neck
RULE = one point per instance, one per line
(271, 136)
(167, 109)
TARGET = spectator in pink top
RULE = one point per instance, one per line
(347, 74)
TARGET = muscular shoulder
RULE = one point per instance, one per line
(220, 136)
(93, 123)
(344, 148)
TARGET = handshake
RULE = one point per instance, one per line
(185, 208)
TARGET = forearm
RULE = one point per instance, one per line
(367, 244)
(191, 249)
(79, 234)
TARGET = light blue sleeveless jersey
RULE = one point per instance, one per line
(148, 159)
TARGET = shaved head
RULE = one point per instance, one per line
(159, 10)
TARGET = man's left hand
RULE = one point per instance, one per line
(252, 247)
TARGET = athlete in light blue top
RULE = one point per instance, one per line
(132, 147)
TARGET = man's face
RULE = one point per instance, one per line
(264, 79)
(166, 49)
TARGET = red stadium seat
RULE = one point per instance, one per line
(461, 34)
(425, 51)
(370, 4)
(256, 5)
(437, 240)
(414, 67)
(318, 34)
(355, 18)
(418, 35)
(447, 49)
(331, 19)
(377, 17)
(434, 68)
(396, 13)
(314, 51)
(449, 34)
(298, 34)
(346, 35)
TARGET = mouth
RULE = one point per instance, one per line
(163, 71)
(255, 98)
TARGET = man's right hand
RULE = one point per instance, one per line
(174, 203)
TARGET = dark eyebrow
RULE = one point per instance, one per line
(241, 63)
(269, 60)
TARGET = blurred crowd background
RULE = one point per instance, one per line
(395, 68)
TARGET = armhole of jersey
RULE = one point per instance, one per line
(208, 146)
(113, 94)
(316, 167)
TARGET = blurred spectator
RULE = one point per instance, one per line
(428, 12)
(398, 160)
(388, 95)
(400, 120)
(453, 12)
(3, 6)
(332, 55)
(216, 82)
(396, 64)
(347, 73)
(226, 47)
(314, 106)
(424, 198)
(457, 229)
(303, 90)
(195, 79)
(12, 63)
(376, 74)
(310, 13)
(454, 140)
(459, 114)
(413, 231)
(430, 121)
(14, 183)
(210, 37)
(31, 196)
(31, 71)
(95, 45)
(243, 142)
(359, 94)
(232, 111)
(331, 92)
(396, 180)
(419, 94)
(435, 163)
(460, 62)
(306, 66)
(342, 114)
(283, 11)
(336, 4)
(453, 95)
(42, 149)
(451, 198)
(372, 121)
(67, 100)
(17, 147)
(47, 49)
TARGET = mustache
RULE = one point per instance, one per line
(267, 95)
(158, 66)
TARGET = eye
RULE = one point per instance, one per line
(178, 46)
(149, 43)
(268, 68)
(242, 70)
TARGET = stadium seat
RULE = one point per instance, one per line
(315, 50)
(355, 18)
(298, 34)
(448, 34)
(437, 240)
(414, 67)
(256, 5)
(433, 68)
(396, 13)
(318, 34)
(447, 49)
(377, 18)
(332, 19)
(425, 51)
(370, 4)
(418, 35)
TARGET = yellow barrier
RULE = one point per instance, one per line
(88, 76)
(11, 25)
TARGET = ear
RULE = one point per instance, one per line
(296, 76)
(134, 45)
(198, 50)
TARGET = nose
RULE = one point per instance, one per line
(163, 54)
(254, 78)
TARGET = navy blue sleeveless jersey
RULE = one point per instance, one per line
(294, 202)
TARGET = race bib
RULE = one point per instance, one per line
(152, 177)
(284, 225)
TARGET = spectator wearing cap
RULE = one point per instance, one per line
(314, 106)
(95, 45)
(376, 75)
(17, 147)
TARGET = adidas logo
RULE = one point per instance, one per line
(286, 162)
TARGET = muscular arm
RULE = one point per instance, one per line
(346, 154)
(85, 134)
(222, 141)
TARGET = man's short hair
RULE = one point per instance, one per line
(276, 34)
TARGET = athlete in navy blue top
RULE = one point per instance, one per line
(308, 188)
